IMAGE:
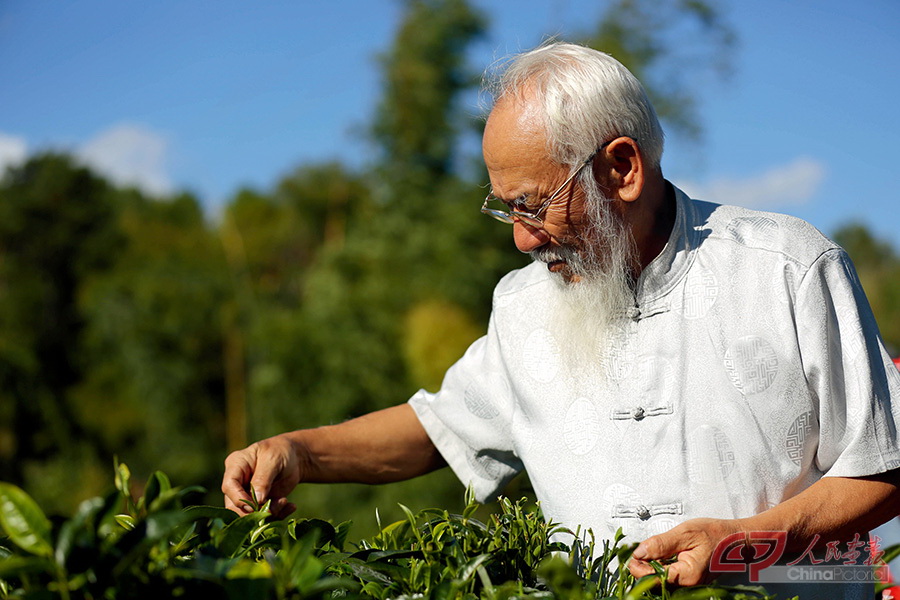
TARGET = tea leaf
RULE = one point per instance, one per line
(157, 483)
(249, 569)
(127, 522)
(78, 537)
(644, 584)
(201, 550)
(24, 521)
(234, 534)
(16, 566)
(365, 572)
(198, 512)
(891, 552)
(468, 571)
(123, 484)
(700, 593)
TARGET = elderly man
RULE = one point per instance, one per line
(683, 370)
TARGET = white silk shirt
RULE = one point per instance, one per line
(750, 367)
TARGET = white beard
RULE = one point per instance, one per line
(592, 307)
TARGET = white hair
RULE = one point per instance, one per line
(585, 97)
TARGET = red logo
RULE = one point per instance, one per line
(752, 551)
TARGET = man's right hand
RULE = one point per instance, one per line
(380, 447)
(271, 467)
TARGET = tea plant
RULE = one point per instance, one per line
(161, 545)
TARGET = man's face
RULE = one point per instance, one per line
(583, 241)
(521, 172)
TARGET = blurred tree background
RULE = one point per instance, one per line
(144, 328)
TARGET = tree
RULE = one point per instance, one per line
(133, 325)
(57, 230)
(412, 249)
(878, 266)
(272, 241)
(154, 342)
(417, 121)
(377, 305)
(668, 45)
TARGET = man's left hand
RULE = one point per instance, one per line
(691, 543)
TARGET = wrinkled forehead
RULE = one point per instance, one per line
(520, 111)
(516, 153)
(515, 126)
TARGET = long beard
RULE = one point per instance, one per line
(592, 298)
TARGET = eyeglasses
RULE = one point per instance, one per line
(532, 219)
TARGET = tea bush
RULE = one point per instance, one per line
(160, 545)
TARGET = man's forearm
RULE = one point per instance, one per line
(381, 447)
(834, 508)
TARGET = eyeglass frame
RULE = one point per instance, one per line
(534, 219)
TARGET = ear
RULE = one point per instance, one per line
(621, 166)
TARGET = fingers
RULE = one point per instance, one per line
(650, 549)
(282, 509)
(683, 572)
(659, 547)
(656, 548)
(267, 472)
(269, 468)
(276, 470)
(238, 471)
(640, 568)
(686, 572)
(241, 509)
(692, 542)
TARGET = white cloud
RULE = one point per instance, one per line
(129, 154)
(790, 184)
(13, 151)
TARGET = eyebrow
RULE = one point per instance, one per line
(520, 199)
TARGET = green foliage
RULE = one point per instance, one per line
(668, 45)
(57, 231)
(109, 320)
(338, 347)
(878, 266)
(23, 521)
(139, 326)
(145, 328)
(436, 335)
(154, 340)
(417, 122)
(160, 544)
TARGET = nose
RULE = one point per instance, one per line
(528, 238)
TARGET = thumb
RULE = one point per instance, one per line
(657, 547)
(262, 481)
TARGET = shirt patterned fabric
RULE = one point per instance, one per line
(750, 367)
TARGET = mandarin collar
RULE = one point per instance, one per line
(671, 265)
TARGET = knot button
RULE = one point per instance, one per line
(643, 513)
(637, 413)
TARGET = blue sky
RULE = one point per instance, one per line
(210, 96)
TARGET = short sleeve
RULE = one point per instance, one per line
(848, 370)
(470, 419)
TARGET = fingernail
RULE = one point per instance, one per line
(640, 553)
